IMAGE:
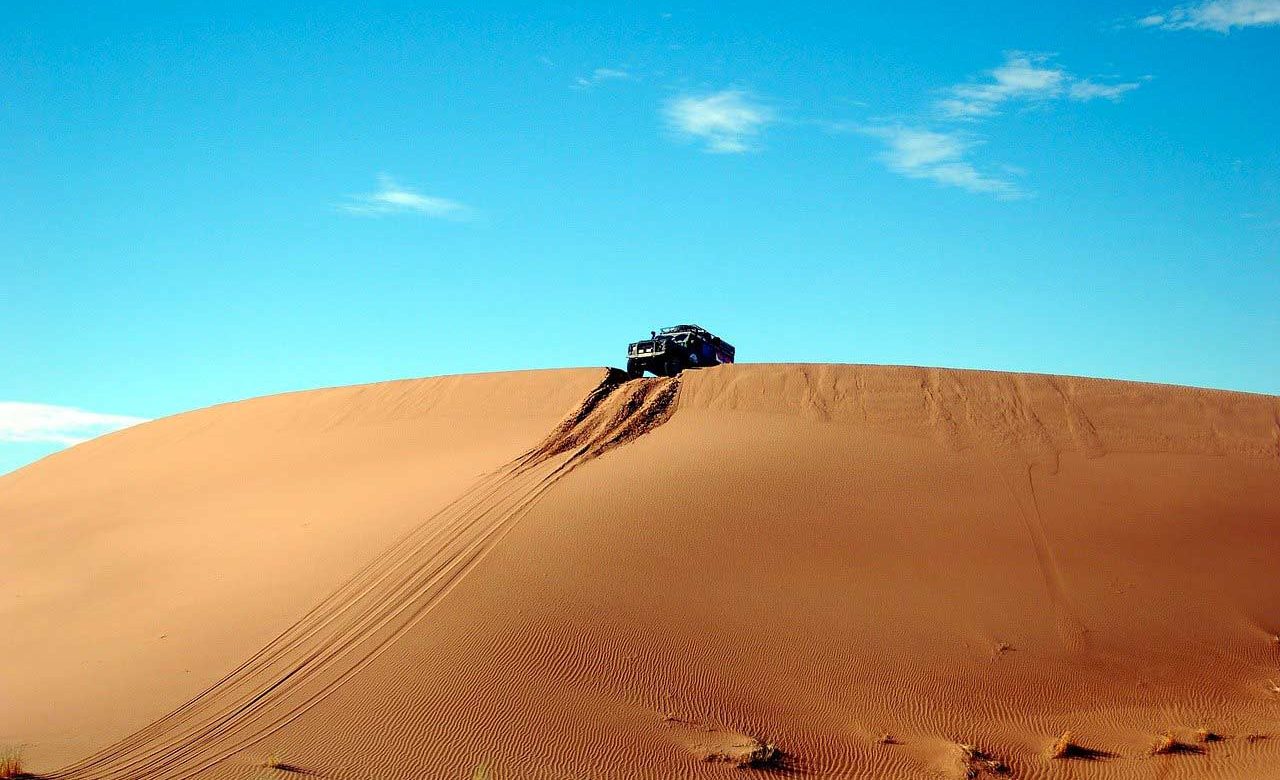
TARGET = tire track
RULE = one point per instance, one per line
(362, 618)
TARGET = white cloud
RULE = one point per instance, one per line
(1087, 89)
(1027, 78)
(942, 156)
(1217, 15)
(919, 153)
(727, 122)
(392, 198)
(601, 75)
(27, 422)
(1021, 77)
(957, 108)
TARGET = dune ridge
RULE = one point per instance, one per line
(881, 571)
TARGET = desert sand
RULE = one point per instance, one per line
(816, 571)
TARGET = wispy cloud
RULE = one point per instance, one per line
(393, 198)
(920, 153)
(935, 149)
(601, 75)
(1025, 78)
(28, 422)
(1085, 90)
(727, 122)
(1021, 77)
(1217, 15)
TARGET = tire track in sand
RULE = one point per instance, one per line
(358, 621)
(1011, 437)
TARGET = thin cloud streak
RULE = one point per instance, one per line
(602, 75)
(1020, 77)
(920, 153)
(1221, 16)
(1086, 90)
(393, 198)
(1025, 78)
(936, 151)
(22, 422)
(726, 122)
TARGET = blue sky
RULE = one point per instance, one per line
(208, 204)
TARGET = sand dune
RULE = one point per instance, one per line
(787, 570)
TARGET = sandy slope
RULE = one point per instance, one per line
(557, 577)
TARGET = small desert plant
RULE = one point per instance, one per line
(1068, 747)
(749, 754)
(1064, 746)
(763, 754)
(975, 762)
(1206, 736)
(887, 739)
(1168, 745)
(481, 773)
(1165, 745)
(277, 763)
(10, 763)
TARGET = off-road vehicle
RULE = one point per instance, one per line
(671, 350)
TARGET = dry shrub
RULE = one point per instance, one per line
(1169, 745)
(975, 762)
(11, 764)
(277, 763)
(1064, 747)
(752, 754)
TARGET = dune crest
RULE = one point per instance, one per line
(562, 573)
